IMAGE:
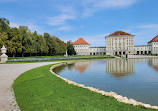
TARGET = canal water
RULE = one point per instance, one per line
(133, 78)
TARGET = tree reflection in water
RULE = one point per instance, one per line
(59, 69)
(78, 66)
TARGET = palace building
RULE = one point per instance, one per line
(117, 43)
(151, 48)
(83, 48)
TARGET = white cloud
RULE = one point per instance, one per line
(30, 25)
(65, 28)
(93, 6)
(113, 3)
(68, 13)
(68, 9)
(13, 24)
(33, 27)
(142, 37)
(82, 9)
(96, 40)
(87, 8)
(60, 20)
(144, 33)
(148, 26)
(93, 40)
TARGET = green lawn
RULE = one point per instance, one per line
(72, 58)
(154, 55)
(40, 90)
(9, 58)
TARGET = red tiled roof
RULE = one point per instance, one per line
(119, 33)
(80, 41)
(155, 39)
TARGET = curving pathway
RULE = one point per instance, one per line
(8, 73)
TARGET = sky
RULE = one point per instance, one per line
(88, 19)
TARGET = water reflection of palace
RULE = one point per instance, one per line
(153, 63)
(120, 67)
(78, 66)
(81, 66)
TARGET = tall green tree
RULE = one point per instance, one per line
(4, 25)
(3, 39)
(15, 42)
(62, 46)
(42, 48)
(56, 46)
(70, 49)
(29, 44)
(35, 44)
(21, 41)
(26, 40)
(50, 43)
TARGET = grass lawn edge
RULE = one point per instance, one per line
(110, 94)
(17, 84)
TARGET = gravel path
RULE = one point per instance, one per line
(8, 73)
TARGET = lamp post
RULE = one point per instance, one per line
(4, 57)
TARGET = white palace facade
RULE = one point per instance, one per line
(117, 43)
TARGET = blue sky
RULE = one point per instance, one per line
(89, 19)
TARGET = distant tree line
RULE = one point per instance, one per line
(22, 42)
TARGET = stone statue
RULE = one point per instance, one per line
(4, 57)
(66, 54)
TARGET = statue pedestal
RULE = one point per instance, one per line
(4, 58)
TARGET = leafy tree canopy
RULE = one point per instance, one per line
(70, 49)
(22, 42)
